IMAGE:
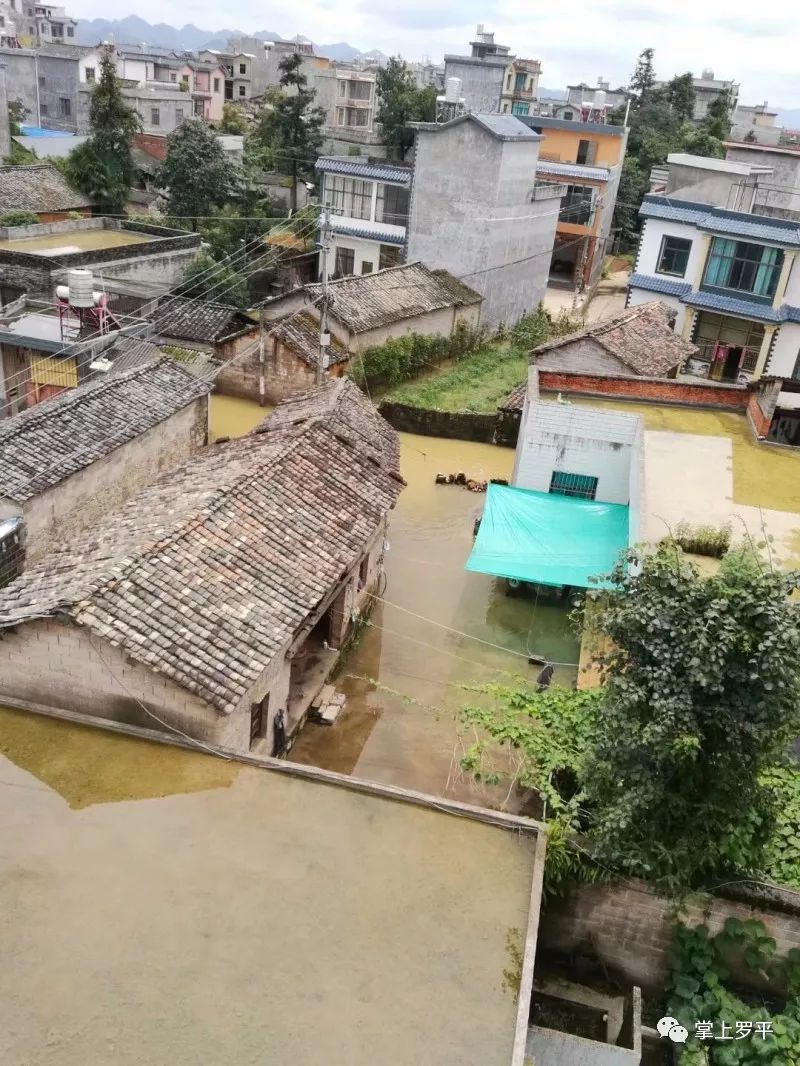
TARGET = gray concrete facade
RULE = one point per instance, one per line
(46, 84)
(477, 212)
(5, 132)
(481, 80)
(778, 194)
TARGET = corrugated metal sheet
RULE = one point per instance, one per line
(60, 372)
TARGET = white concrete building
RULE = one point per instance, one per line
(369, 213)
(732, 277)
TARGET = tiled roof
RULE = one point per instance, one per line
(572, 170)
(732, 305)
(641, 337)
(39, 188)
(718, 220)
(47, 443)
(666, 286)
(392, 295)
(199, 320)
(301, 334)
(367, 234)
(378, 171)
(206, 574)
(515, 400)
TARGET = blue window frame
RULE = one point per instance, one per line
(581, 485)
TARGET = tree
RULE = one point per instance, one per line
(234, 120)
(102, 166)
(643, 79)
(717, 122)
(17, 113)
(680, 95)
(195, 176)
(702, 694)
(401, 102)
(288, 132)
(207, 277)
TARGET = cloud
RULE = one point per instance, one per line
(752, 27)
(637, 13)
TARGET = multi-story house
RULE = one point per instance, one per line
(349, 98)
(480, 210)
(368, 204)
(732, 277)
(707, 88)
(520, 87)
(587, 158)
(238, 69)
(10, 17)
(482, 73)
(46, 81)
(44, 24)
(592, 103)
(205, 83)
(756, 124)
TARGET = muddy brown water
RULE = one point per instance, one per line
(74, 241)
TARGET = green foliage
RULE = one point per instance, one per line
(680, 95)
(476, 383)
(234, 119)
(195, 176)
(717, 122)
(699, 990)
(17, 113)
(102, 167)
(643, 79)
(207, 277)
(702, 696)
(781, 858)
(19, 218)
(402, 358)
(701, 540)
(287, 134)
(401, 102)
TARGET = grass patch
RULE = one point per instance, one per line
(477, 382)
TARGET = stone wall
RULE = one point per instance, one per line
(460, 425)
(53, 517)
(628, 928)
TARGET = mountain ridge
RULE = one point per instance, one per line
(134, 30)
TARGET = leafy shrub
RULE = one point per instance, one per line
(19, 218)
(702, 540)
(402, 358)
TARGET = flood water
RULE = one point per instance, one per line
(72, 241)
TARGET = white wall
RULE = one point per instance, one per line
(650, 247)
(785, 350)
(792, 295)
(645, 296)
(365, 251)
(577, 440)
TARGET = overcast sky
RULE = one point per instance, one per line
(575, 40)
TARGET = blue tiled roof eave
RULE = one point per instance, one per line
(367, 235)
(710, 219)
(665, 286)
(375, 171)
(573, 170)
(733, 305)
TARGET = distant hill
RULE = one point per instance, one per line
(134, 30)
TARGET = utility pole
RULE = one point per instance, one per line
(324, 335)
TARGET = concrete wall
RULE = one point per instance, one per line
(481, 83)
(647, 257)
(472, 214)
(704, 186)
(596, 443)
(41, 82)
(785, 350)
(441, 322)
(453, 425)
(549, 1047)
(5, 131)
(779, 193)
(53, 517)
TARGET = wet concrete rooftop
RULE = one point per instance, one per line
(160, 906)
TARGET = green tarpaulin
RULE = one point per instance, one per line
(547, 538)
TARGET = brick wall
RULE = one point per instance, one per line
(657, 390)
(758, 419)
(153, 144)
(285, 373)
(53, 517)
(628, 929)
(459, 425)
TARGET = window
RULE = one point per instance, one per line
(576, 206)
(70, 31)
(796, 371)
(391, 205)
(519, 82)
(712, 330)
(57, 29)
(568, 115)
(178, 115)
(216, 85)
(43, 108)
(587, 152)
(42, 81)
(90, 73)
(388, 256)
(349, 196)
(352, 116)
(366, 267)
(345, 262)
(743, 267)
(580, 485)
(242, 90)
(45, 29)
(674, 256)
(242, 68)
(259, 716)
(359, 90)
(228, 90)
(2, 21)
(155, 116)
(185, 82)
(64, 106)
(173, 76)
(342, 88)
(519, 108)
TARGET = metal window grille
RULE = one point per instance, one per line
(581, 485)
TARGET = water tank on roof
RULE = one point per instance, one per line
(452, 90)
(80, 284)
(600, 98)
